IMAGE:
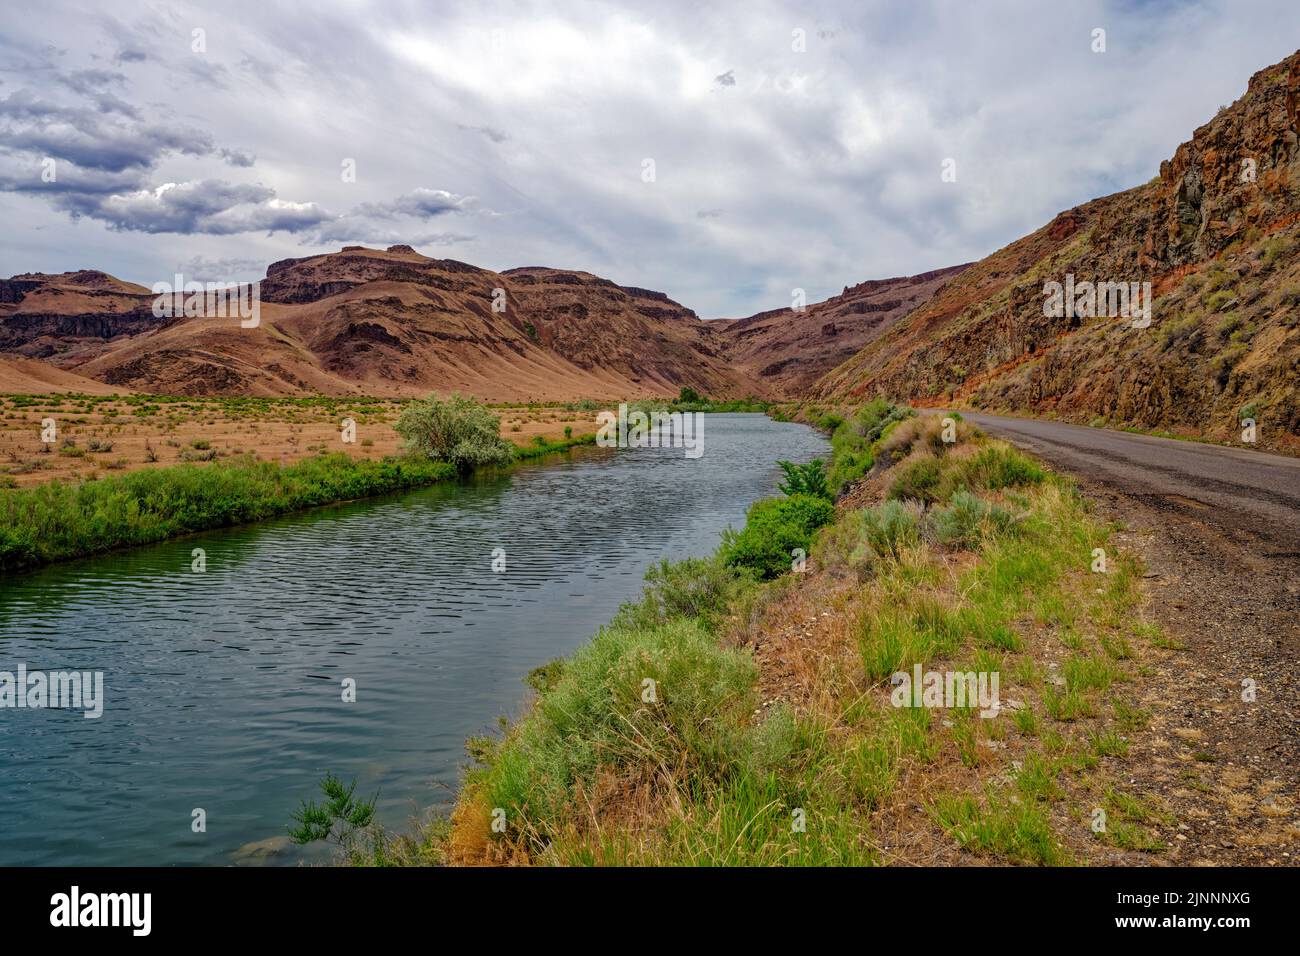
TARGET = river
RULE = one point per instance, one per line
(224, 688)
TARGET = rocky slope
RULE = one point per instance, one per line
(1217, 233)
(791, 349)
(395, 323)
(72, 316)
(380, 322)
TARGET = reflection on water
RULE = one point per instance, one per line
(223, 689)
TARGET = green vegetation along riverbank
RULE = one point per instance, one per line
(753, 709)
(61, 520)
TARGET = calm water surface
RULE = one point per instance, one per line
(223, 689)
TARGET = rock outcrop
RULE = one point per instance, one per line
(1216, 234)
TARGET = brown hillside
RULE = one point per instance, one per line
(1221, 248)
(792, 350)
(380, 322)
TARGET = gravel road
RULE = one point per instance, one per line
(1219, 531)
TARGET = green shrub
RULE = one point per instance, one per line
(886, 530)
(1226, 361)
(1218, 300)
(852, 454)
(968, 520)
(1231, 323)
(809, 479)
(918, 480)
(701, 588)
(1186, 330)
(774, 529)
(456, 430)
(994, 468)
(597, 716)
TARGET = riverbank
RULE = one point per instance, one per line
(71, 437)
(58, 520)
(727, 720)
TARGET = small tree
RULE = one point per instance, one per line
(457, 430)
(339, 819)
(809, 479)
(689, 396)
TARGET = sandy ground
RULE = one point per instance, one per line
(118, 435)
(27, 376)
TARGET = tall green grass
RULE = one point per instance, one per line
(704, 772)
(61, 520)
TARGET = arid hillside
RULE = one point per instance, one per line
(379, 322)
(396, 323)
(1216, 233)
(791, 349)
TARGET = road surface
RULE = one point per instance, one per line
(1218, 533)
(1245, 493)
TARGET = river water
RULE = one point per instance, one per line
(224, 689)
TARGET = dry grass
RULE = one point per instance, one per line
(144, 433)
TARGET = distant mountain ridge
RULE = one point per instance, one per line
(394, 322)
(793, 350)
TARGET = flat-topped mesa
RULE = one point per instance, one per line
(389, 322)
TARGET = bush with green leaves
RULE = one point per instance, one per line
(698, 588)
(852, 451)
(457, 430)
(886, 531)
(774, 529)
(339, 819)
(808, 479)
(600, 714)
(918, 480)
(968, 520)
(994, 468)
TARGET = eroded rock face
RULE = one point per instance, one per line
(382, 322)
(790, 350)
(1217, 234)
(71, 316)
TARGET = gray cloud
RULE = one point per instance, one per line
(347, 231)
(210, 206)
(203, 269)
(826, 161)
(421, 203)
(496, 135)
(237, 157)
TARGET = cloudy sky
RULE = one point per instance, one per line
(722, 153)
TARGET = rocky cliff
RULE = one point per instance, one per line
(1217, 236)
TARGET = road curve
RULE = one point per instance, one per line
(1245, 493)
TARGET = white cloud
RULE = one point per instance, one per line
(815, 169)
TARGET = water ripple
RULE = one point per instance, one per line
(224, 688)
